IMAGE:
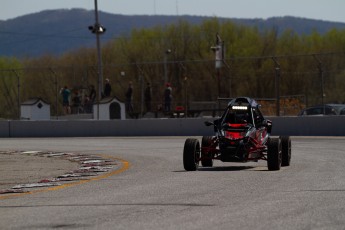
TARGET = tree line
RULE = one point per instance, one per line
(311, 65)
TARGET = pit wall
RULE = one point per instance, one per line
(293, 126)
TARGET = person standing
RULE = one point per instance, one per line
(167, 98)
(91, 99)
(129, 95)
(92, 94)
(76, 99)
(107, 88)
(65, 92)
(148, 97)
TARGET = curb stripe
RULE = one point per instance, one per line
(125, 165)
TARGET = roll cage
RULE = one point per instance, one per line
(241, 110)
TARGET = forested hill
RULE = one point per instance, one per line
(58, 31)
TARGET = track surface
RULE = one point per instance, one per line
(156, 193)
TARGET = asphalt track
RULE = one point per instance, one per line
(149, 189)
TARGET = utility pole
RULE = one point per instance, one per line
(218, 49)
(320, 68)
(18, 91)
(166, 53)
(98, 29)
(277, 85)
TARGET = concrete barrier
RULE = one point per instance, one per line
(309, 126)
(293, 126)
(4, 128)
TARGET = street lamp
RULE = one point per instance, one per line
(98, 29)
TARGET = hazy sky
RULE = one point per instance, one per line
(330, 10)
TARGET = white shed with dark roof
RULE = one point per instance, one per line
(35, 109)
(110, 108)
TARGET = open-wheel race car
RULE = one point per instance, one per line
(242, 134)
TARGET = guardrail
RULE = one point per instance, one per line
(293, 126)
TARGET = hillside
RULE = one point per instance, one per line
(58, 31)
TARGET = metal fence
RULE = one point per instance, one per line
(283, 85)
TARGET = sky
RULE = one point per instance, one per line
(328, 10)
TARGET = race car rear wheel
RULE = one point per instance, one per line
(286, 150)
(191, 154)
(274, 154)
(206, 156)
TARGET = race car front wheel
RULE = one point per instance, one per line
(274, 154)
(286, 150)
(191, 154)
(206, 156)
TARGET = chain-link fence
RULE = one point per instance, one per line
(283, 85)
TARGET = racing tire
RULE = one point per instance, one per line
(206, 142)
(274, 154)
(191, 154)
(286, 150)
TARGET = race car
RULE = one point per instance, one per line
(242, 134)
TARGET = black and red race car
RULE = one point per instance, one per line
(242, 135)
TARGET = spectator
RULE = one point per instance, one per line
(129, 95)
(91, 99)
(92, 94)
(87, 105)
(167, 98)
(148, 97)
(65, 92)
(76, 101)
(107, 88)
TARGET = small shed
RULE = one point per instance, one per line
(110, 108)
(35, 109)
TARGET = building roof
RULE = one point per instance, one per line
(33, 101)
(109, 100)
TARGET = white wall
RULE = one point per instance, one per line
(104, 113)
(32, 112)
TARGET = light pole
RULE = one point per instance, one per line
(277, 85)
(218, 49)
(166, 53)
(320, 68)
(98, 29)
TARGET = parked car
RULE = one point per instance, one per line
(327, 109)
